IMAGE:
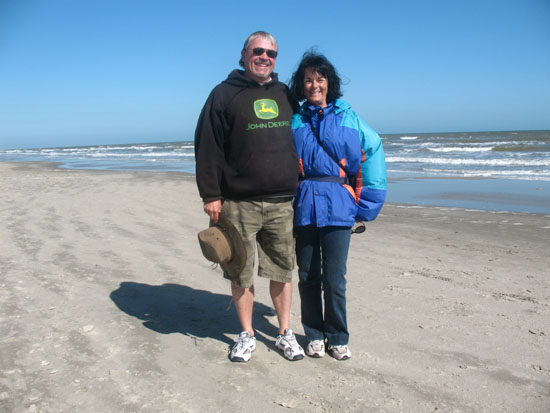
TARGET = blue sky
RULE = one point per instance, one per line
(86, 72)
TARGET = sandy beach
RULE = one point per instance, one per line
(109, 306)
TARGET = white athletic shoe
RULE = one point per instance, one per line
(316, 348)
(289, 346)
(243, 348)
(340, 352)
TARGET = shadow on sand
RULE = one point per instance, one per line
(174, 308)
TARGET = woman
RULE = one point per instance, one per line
(343, 181)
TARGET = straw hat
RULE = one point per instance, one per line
(222, 243)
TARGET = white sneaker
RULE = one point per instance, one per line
(316, 348)
(340, 352)
(289, 346)
(243, 348)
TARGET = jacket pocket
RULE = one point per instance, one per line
(341, 206)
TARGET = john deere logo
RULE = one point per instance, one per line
(266, 109)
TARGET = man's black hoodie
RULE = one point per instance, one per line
(243, 141)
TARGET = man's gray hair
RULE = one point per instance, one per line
(249, 39)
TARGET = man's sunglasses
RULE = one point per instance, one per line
(258, 51)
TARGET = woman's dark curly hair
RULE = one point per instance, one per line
(320, 64)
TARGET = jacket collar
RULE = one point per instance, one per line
(338, 106)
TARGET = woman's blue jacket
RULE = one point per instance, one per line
(320, 200)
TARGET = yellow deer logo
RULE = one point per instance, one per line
(266, 109)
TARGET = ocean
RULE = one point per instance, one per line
(499, 171)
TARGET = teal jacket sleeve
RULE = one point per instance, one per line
(371, 179)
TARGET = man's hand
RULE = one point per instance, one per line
(213, 209)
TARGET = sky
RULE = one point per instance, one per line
(96, 72)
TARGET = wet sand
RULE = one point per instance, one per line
(108, 305)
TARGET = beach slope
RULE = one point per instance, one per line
(109, 306)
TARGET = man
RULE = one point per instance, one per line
(247, 167)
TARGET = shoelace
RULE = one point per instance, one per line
(290, 339)
(242, 341)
